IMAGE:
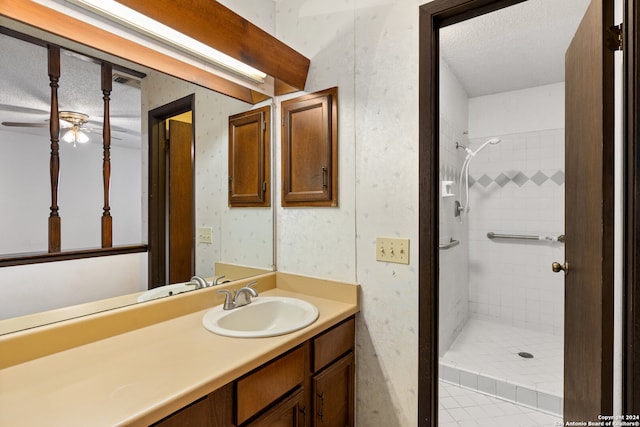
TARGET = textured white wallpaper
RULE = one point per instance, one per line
(320, 242)
(370, 50)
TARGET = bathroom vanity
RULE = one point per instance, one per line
(311, 384)
(174, 372)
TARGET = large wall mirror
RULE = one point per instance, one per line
(34, 294)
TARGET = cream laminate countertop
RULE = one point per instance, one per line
(141, 376)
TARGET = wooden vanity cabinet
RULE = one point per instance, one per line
(289, 412)
(262, 387)
(213, 410)
(310, 385)
(332, 382)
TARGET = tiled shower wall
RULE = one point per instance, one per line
(517, 187)
(453, 273)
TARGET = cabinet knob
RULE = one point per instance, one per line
(321, 395)
(321, 415)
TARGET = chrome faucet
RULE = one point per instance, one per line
(217, 280)
(199, 282)
(240, 297)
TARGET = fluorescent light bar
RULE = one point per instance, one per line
(145, 25)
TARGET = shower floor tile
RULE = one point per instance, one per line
(461, 407)
(491, 349)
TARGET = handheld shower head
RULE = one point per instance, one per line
(492, 141)
(463, 204)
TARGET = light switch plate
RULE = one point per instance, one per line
(392, 250)
(205, 235)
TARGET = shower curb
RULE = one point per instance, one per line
(501, 389)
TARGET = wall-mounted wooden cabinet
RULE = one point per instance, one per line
(249, 158)
(310, 150)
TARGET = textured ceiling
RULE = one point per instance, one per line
(25, 93)
(513, 48)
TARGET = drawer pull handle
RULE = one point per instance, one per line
(321, 415)
(321, 396)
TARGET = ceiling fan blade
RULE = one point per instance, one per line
(19, 109)
(25, 125)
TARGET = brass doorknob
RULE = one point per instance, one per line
(557, 267)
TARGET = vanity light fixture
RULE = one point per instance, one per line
(126, 16)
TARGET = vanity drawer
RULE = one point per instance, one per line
(264, 386)
(333, 343)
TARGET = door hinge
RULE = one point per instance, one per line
(230, 179)
(264, 126)
(616, 37)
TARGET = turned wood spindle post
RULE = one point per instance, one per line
(107, 233)
(54, 162)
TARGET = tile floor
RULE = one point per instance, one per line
(491, 349)
(459, 407)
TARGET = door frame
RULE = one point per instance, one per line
(631, 232)
(433, 16)
(157, 238)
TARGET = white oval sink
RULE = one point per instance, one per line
(264, 317)
(166, 291)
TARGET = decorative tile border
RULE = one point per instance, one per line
(518, 178)
(501, 389)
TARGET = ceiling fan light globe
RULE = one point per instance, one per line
(69, 136)
(81, 137)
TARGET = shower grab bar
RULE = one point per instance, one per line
(492, 235)
(449, 245)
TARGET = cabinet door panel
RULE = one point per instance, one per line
(198, 414)
(288, 413)
(310, 150)
(249, 158)
(265, 385)
(333, 401)
(332, 344)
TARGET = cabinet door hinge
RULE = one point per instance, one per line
(616, 38)
(230, 179)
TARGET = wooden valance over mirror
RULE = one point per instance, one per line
(231, 34)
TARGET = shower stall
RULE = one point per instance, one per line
(501, 227)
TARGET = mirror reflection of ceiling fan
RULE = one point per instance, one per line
(73, 122)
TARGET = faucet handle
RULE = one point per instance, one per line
(250, 288)
(199, 282)
(217, 280)
(244, 294)
(228, 299)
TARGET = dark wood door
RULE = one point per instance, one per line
(181, 196)
(588, 343)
